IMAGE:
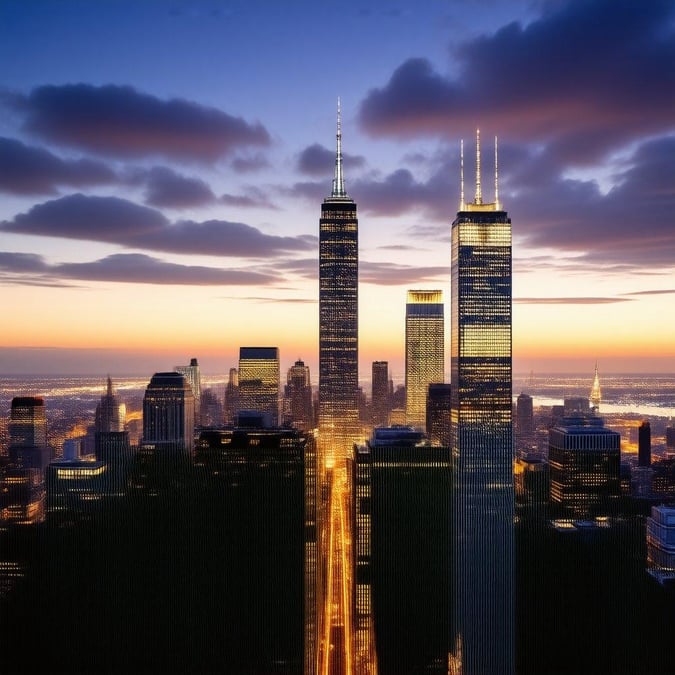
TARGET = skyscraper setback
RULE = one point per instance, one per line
(481, 428)
(424, 353)
(338, 315)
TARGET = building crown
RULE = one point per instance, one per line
(478, 204)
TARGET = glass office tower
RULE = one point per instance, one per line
(424, 351)
(338, 317)
(259, 381)
(481, 435)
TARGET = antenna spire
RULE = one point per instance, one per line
(496, 179)
(479, 198)
(461, 176)
(339, 180)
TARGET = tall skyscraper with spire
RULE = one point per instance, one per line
(596, 395)
(338, 316)
(481, 434)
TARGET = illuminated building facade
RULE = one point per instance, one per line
(168, 413)
(439, 400)
(584, 461)
(481, 434)
(259, 381)
(193, 375)
(424, 351)
(401, 511)
(338, 316)
(22, 480)
(661, 543)
(596, 394)
(298, 404)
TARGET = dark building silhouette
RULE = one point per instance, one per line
(298, 404)
(644, 444)
(264, 482)
(402, 544)
(380, 393)
(439, 401)
(338, 316)
(481, 430)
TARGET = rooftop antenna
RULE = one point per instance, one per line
(496, 179)
(462, 204)
(338, 181)
(479, 198)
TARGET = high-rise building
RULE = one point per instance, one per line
(584, 461)
(524, 425)
(338, 316)
(596, 395)
(110, 413)
(259, 381)
(438, 413)
(22, 481)
(401, 511)
(168, 412)
(481, 432)
(424, 351)
(661, 543)
(380, 397)
(644, 444)
(194, 378)
(298, 404)
(231, 402)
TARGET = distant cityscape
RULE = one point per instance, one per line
(254, 523)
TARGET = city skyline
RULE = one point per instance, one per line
(155, 160)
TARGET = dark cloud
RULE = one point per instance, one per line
(123, 122)
(31, 269)
(317, 160)
(29, 170)
(569, 301)
(166, 188)
(252, 197)
(250, 164)
(585, 78)
(118, 221)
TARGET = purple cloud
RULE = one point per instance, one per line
(317, 160)
(29, 170)
(560, 80)
(118, 221)
(166, 188)
(123, 122)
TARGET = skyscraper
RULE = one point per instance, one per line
(481, 429)
(596, 395)
(259, 381)
(380, 398)
(338, 316)
(438, 413)
(194, 378)
(298, 405)
(168, 412)
(645, 444)
(424, 351)
(110, 413)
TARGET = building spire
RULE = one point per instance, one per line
(479, 198)
(496, 179)
(339, 180)
(110, 387)
(596, 395)
(461, 176)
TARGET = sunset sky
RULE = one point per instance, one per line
(162, 166)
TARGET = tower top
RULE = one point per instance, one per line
(478, 204)
(339, 180)
(596, 395)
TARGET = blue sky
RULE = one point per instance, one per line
(162, 165)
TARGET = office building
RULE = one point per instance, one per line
(259, 381)
(670, 438)
(584, 460)
(524, 424)
(380, 396)
(438, 413)
(401, 511)
(644, 444)
(168, 413)
(231, 402)
(110, 412)
(424, 351)
(22, 480)
(481, 432)
(338, 316)
(298, 404)
(661, 543)
(263, 484)
(193, 376)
